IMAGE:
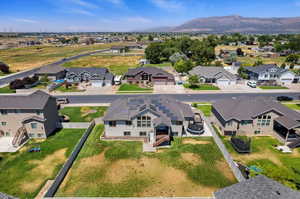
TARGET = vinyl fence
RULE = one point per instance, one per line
(63, 172)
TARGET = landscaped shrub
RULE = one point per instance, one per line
(16, 84)
(4, 67)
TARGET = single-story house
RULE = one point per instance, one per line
(258, 187)
(53, 72)
(98, 77)
(214, 74)
(150, 117)
(270, 72)
(256, 116)
(29, 116)
(149, 76)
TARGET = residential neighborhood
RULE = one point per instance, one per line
(149, 99)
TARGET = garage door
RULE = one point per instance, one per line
(97, 84)
(286, 81)
(223, 82)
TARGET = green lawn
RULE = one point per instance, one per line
(6, 89)
(284, 168)
(159, 65)
(23, 174)
(83, 114)
(202, 87)
(133, 88)
(272, 87)
(205, 108)
(293, 106)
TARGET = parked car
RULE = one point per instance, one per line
(284, 98)
(118, 79)
(63, 100)
(252, 84)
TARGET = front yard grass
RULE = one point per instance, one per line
(71, 88)
(23, 174)
(6, 89)
(127, 88)
(83, 114)
(205, 107)
(190, 167)
(272, 87)
(282, 167)
(201, 87)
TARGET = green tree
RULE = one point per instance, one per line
(293, 58)
(202, 54)
(242, 73)
(150, 38)
(258, 62)
(218, 63)
(193, 80)
(153, 53)
(183, 66)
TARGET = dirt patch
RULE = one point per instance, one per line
(43, 170)
(223, 167)
(191, 158)
(194, 141)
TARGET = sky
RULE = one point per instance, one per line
(128, 15)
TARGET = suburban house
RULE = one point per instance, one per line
(149, 76)
(98, 77)
(258, 187)
(212, 74)
(28, 116)
(156, 119)
(256, 116)
(53, 72)
(118, 49)
(270, 72)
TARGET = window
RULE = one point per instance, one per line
(143, 133)
(256, 132)
(229, 123)
(179, 123)
(127, 133)
(259, 117)
(128, 123)
(38, 112)
(31, 135)
(145, 76)
(144, 121)
(7, 134)
(246, 122)
(33, 125)
(39, 135)
(112, 123)
(3, 112)
(3, 123)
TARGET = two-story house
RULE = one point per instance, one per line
(153, 118)
(149, 76)
(28, 116)
(256, 116)
(270, 72)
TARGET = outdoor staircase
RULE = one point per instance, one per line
(294, 144)
(161, 139)
(20, 137)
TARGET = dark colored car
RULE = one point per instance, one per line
(284, 98)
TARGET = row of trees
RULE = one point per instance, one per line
(20, 83)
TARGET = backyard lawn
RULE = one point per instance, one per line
(127, 88)
(6, 89)
(20, 59)
(83, 114)
(23, 174)
(205, 107)
(191, 167)
(272, 87)
(202, 87)
(282, 167)
(117, 64)
(293, 106)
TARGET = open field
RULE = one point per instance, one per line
(272, 87)
(191, 167)
(23, 174)
(282, 167)
(117, 64)
(249, 61)
(20, 59)
(225, 47)
(83, 114)
(202, 87)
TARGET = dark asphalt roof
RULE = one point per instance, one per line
(212, 72)
(35, 118)
(167, 108)
(245, 108)
(50, 69)
(267, 68)
(259, 187)
(5, 196)
(36, 100)
(93, 70)
(155, 72)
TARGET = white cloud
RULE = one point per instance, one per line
(83, 3)
(138, 20)
(116, 2)
(170, 5)
(80, 11)
(26, 20)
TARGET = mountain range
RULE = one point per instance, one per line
(235, 23)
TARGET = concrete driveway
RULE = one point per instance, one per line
(168, 89)
(6, 145)
(239, 87)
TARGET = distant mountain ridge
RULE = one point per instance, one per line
(236, 23)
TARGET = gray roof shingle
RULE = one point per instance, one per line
(212, 72)
(270, 68)
(155, 72)
(259, 187)
(50, 69)
(36, 100)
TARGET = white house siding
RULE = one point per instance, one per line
(225, 82)
(97, 83)
(287, 78)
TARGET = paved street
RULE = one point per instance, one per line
(78, 99)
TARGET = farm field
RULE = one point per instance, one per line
(20, 59)
(279, 166)
(83, 114)
(191, 167)
(25, 173)
(117, 64)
